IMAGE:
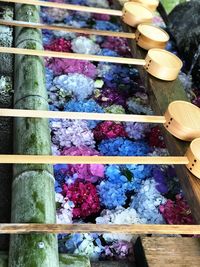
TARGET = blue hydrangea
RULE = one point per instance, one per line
(120, 180)
(123, 147)
(108, 52)
(84, 106)
(106, 25)
(49, 78)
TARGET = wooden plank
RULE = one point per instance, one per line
(15, 228)
(112, 264)
(161, 94)
(167, 251)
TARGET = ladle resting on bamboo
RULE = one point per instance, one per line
(147, 36)
(158, 62)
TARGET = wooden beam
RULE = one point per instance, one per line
(15, 228)
(161, 95)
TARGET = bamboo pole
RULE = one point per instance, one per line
(46, 53)
(69, 7)
(33, 196)
(40, 26)
(45, 159)
(100, 228)
(25, 113)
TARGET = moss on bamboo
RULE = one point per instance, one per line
(33, 196)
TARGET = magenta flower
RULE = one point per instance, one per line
(59, 45)
(65, 66)
(177, 212)
(109, 129)
(84, 197)
(87, 172)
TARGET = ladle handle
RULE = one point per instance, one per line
(23, 113)
(68, 7)
(45, 53)
(67, 29)
(47, 159)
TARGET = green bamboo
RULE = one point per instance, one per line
(33, 197)
(64, 260)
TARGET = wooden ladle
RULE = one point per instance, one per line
(181, 119)
(158, 62)
(132, 13)
(150, 4)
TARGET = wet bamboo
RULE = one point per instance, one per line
(33, 197)
(67, 29)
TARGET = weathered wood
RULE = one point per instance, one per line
(167, 251)
(161, 94)
(16, 228)
(33, 197)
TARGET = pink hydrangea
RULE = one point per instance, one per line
(101, 17)
(59, 45)
(109, 129)
(87, 172)
(177, 212)
(84, 197)
(65, 66)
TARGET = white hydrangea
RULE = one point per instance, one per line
(77, 84)
(147, 201)
(64, 213)
(95, 3)
(119, 216)
(84, 45)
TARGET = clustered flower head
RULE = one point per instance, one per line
(155, 138)
(76, 84)
(67, 133)
(84, 45)
(177, 211)
(119, 44)
(65, 66)
(86, 172)
(136, 130)
(147, 202)
(64, 210)
(138, 104)
(121, 146)
(108, 129)
(59, 45)
(85, 198)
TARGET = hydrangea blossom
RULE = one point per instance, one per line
(94, 3)
(147, 201)
(136, 130)
(85, 106)
(119, 216)
(120, 180)
(116, 109)
(77, 84)
(66, 133)
(84, 45)
(123, 147)
(64, 210)
(119, 250)
(65, 66)
(53, 14)
(139, 104)
(87, 172)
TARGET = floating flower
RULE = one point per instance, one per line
(136, 130)
(84, 45)
(59, 45)
(119, 216)
(87, 172)
(119, 250)
(177, 211)
(53, 14)
(115, 109)
(123, 147)
(108, 97)
(84, 197)
(139, 104)
(106, 26)
(147, 201)
(155, 138)
(85, 106)
(77, 84)
(68, 133)
(65, 66)
(120, 45)
(108, 129)
(64, 210)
